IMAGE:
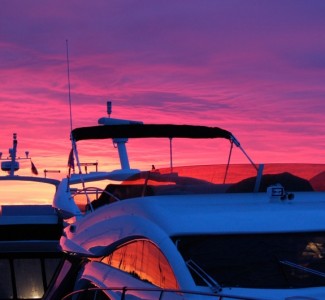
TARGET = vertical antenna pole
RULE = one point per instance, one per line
(68, 71)
(171, 154)
(109, 108)
(13, 155)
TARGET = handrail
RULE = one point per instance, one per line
(51, 181)
(302, 268)
(162, 292)
(92, 188)
(204, 276)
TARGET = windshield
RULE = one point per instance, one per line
(258, 260)
(232, 178)
(202, 179)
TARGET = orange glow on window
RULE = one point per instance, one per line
(144, 261)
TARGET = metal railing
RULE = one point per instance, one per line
(161, 293)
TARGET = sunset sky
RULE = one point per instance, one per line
(253, 67)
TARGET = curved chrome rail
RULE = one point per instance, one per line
(160, 293)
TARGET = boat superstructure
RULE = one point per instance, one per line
(30, 229)
(232, 231)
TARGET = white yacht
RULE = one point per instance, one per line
(229, 231)
(30, 229)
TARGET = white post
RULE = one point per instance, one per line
(124, 160)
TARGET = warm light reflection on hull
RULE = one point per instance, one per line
(143, 260)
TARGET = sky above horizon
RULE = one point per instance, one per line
(254, 67)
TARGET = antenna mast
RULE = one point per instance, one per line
(68, 71)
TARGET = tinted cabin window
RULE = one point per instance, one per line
(6, 291)
(50, 265)
(281, 260)
(26, 277)
(144, 261)
(29, 281)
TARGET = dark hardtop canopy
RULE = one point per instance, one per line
(149, 131)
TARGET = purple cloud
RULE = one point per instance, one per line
(255, 68)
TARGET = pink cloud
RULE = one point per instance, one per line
(255, 69)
